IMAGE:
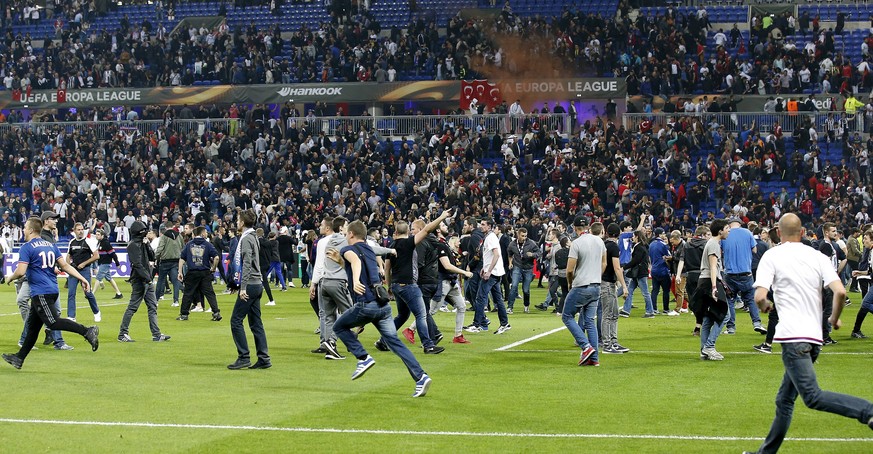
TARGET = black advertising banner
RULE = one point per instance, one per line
(349, 92)
(752, 103)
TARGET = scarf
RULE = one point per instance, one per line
(237, 258)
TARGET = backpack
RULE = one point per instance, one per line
(561, 258)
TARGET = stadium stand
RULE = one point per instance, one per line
(204, 163)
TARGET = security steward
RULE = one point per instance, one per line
(201, 259)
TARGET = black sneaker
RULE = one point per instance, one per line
(91, 337)
(330, 350)
(763, 348)
(618, 347)
(858, 335)
(48, 338)
(160, 338)
(435, 350)
(13, 359)
(541, 307)
(320, 350)
(623, 313)
(696, 331)
(240, 364)
(259, 364)
(118, 296)
(216, 317)
(182, 317)
(438, 339)
(829, 341)
(381, 346)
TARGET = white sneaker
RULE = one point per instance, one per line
(672, 314)
(291, 284)
(711, 354)
(207, 310)
(270, 303)
(98, 317)
(196, 309)
(72, 319)
(683, 311)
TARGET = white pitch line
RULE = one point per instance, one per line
(524, 341)
(416, 432)
(675, 352)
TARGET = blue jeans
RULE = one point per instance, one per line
(643, 284)
(743, 287)
(72, 285)
(709, 331)
(276, 267)
(168, 269)
(409, 300)
(583, 300)
(799, 379)
(489, 287)
(471, 287)
(525, 277)
(250, 308)
(362, 313)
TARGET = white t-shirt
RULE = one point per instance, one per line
(490, 247)
(796, 273)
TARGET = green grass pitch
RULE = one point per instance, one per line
(178, 396)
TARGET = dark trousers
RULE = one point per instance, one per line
(141, 291)
(772, 321)
(290, 271)
(827, 304)
(661, 285)
(168, 269)
(429, 293)
(45, 311)
(266, 286)
(198, 284)
(251, 308)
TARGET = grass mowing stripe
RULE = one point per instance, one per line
(84, 306)
(524, 341)
(412, 432)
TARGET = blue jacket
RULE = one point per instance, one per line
(657, 250)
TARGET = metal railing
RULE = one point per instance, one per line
(386, 125)
(737, 122)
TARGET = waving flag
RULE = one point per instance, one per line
(482, 91)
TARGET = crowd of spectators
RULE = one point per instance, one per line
(292, 173)
(669, 54)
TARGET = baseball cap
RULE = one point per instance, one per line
(48, 215)
(733, 219)
(580, 222)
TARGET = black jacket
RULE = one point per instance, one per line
(639, 264)
(140, 254)
(286, 248)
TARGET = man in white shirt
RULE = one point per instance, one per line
(585, 266)
(796, 273)
(491, 276)
(720, 38)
